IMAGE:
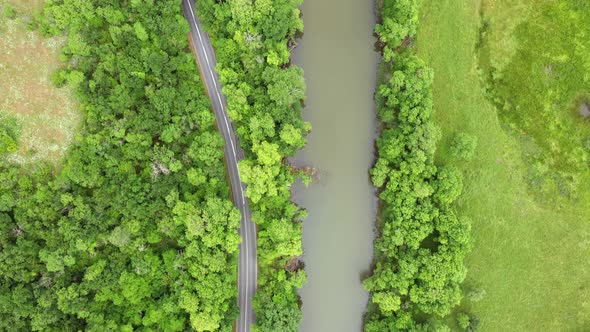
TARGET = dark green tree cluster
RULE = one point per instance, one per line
(136, 232)
(422, 243)
(399, 22)
(253, 40)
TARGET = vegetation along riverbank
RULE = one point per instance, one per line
(508, 94)
(253, 42)
(421, 243)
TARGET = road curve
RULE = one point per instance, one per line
(247, 265)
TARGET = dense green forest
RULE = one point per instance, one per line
(136, 230)
(421, 244)
(264, 91)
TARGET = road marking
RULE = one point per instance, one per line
(215, 84)
(243, 209)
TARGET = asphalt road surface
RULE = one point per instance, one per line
(247, 266)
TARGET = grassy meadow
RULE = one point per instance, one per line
(47, 116)
(526, 189)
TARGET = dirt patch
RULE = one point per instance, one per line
(27, 7)
(48, 116)
(585, 110)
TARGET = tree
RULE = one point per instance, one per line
(463, 320)
(422, 243)
(286, 87)
(114, 239)
(264, 94)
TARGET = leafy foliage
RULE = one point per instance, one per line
(463, 146)
(399, 21)
(136, 232)
(9, 132)
(422, 243)
(264, 92)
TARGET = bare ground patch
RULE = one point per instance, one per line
(48, 116)
(27, 7)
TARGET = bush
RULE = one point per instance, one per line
(473, 323)
(463, 320)
(59, 78)
(476, 295)
(7, 144)
(9, 132)
(10, 12)
(464, 146)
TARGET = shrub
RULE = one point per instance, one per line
(59, 78)
(10, 12)
(9, 132)
(476, 295)
(463, 320)
(463, 146)
(7, 144)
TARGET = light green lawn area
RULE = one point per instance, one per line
(48, 117)
(532, 259)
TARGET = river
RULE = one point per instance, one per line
(337, 55)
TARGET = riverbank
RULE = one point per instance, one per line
(421, 243)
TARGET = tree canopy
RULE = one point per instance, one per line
(421, 243)
(264, 92)
(136, 232)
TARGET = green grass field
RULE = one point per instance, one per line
(48, 116)
(539, 75)
(530, 252)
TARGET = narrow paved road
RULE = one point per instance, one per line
(247, 266)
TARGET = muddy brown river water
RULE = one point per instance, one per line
(337, 55)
